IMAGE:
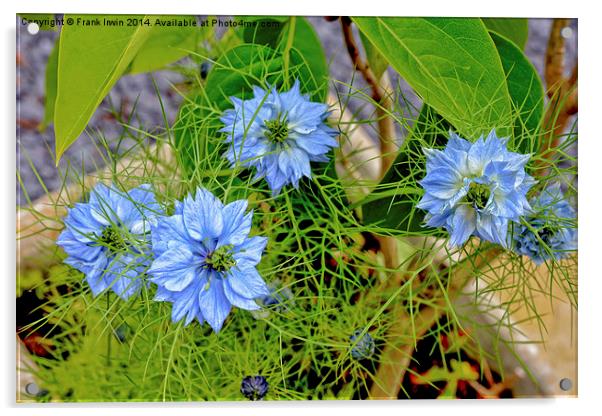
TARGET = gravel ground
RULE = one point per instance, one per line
(34, 148)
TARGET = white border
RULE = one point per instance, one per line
(590, 202)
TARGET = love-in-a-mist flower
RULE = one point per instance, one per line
(279, 134)
(475, 188)
(108, 238)
(549, 230)
(205, 260)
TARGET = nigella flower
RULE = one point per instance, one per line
(205, 260)
(362, 347)
(254, 387)
(548, 231)
(107, 238)
(279, 134)
(475, 188)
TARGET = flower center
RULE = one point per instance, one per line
(478, 194)
(547, 232)
(221, 259)
(276, 130)
(112, 240)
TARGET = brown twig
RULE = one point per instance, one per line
(386, 128)
(561, 91)
(382, 98)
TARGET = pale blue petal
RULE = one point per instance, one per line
(237, 300)
(247, 282)
(203, 216)
(214, 305)
(236, 224)
(463, 224)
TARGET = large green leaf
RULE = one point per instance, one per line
(515, 29)
(239, 69)
(167, 44)
(248, 65)
(50, 92)
(452, 63)
(309, 47)
(392, 204)
(526, 92)
(91, 59)
(304, 40)
(266, 30)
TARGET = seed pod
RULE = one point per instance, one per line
(254, 387)
(362, 348)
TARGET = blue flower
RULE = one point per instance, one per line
(475, 188)
(107, 238)
(205, 260)
(361, 347)
(254, 387)
(549, 230)
(279, 134)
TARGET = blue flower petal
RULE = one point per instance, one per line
(186, 304)
(247, 282)
(463, 224)
(237, 300)
(214, 305)
(236, 224)
(203, 216)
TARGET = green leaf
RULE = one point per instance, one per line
(91, 59)
(239, 69)
(167, 44)
(309, 47)
(248, 65)
(452, 63)
(515, 29)
(50, 93)
(392, 204)
(305, 41)
(526, 92)
(266, 31)
(376, 61)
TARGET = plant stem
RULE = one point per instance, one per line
(109, 334)
(287, 49)
(562, 92)
(382, 99)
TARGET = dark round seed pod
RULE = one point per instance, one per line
(254, 387)
(205, 67)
